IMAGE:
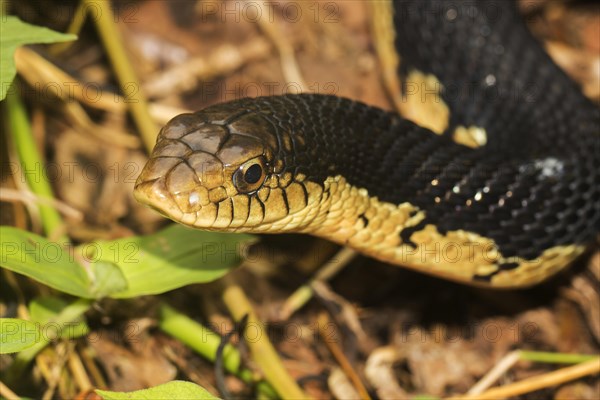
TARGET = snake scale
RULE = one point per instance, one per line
(507, 213)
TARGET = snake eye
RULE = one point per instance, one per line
(253, 174)
(250, 176)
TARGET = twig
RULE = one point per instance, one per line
(20, 182)
(340, 385)
(324, 323)
(345, 316)
(201, 339)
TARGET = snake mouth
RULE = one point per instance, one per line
(155, 195)
(158, 210)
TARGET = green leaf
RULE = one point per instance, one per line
(58, 318)
(173, 390)
(42, 260)
(15, 33)
(108, 279)
(129, 267)
(17, 335)
(171, 258)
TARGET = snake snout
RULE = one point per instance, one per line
(170, 186)
(154, 194)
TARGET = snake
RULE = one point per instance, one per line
(508, 212)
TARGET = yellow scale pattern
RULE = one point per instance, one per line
(457, 255)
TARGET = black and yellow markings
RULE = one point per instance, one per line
(472, 136)
(349, 216)
(419, 97)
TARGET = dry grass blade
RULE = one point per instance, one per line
(38, 71)
(78, 371)
(27, 196)
(383, 40)
(129, 82)
(289, 64)
(78, 117)
(51, 363)
(263, 352)
(88, 359)
(19, 180)
(8, 394)
(496, 373)
(305, 292)
(539, 382)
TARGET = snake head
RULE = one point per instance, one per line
(224, 168)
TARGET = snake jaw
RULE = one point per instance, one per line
(154, 194)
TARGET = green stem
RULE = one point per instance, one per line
(103, 16)
(205, 342)
(74, 27)
(31, 162)
(555, 358)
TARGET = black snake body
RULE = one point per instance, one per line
(532, 187)
(536, 118)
